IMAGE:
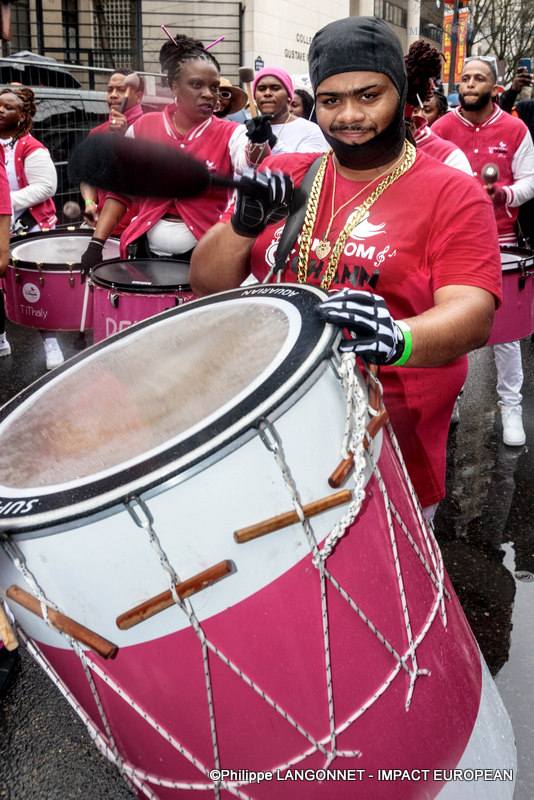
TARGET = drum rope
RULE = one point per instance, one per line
(20, 564)
(273, 443)
(353, 441)
(426, 528)
(147, 523)
(437, 580)
(415, 672)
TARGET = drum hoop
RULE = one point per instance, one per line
(48, 266)
(525, 258)
(95, 496)
(138, 288)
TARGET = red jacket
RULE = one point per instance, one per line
(43, 213)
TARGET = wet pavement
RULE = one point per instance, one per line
(486, 531)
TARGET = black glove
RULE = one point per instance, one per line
(378, 340)
(259, 129)
(262, 197)
(91, 257)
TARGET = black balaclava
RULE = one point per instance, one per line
(362, 44)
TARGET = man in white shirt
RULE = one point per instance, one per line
(273, 92)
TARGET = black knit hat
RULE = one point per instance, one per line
(357, 44)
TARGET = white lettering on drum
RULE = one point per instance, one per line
(18, 506)
(112, 327)
(271, 290)
(40, 313)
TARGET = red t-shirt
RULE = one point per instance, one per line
(422, 234)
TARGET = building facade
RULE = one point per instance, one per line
(110, 34)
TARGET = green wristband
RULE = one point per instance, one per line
(407, 336)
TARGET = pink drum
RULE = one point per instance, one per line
(130, 291)
(43, 284)
(263, 652)
(515, 319)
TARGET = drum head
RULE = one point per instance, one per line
(56, 250)
(142, 275)
(129, 415)
(516, 258)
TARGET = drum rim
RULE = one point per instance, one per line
(49, 266)
(95, 497)
(138, 288)
(525, 257)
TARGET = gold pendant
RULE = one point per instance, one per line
(322, 249)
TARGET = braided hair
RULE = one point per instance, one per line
(172, 56)
(28, 107)
(423, 63)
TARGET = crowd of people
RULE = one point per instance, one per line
(388, 162)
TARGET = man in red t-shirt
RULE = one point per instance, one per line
(119, 93)
(416, 249)
(487, 134)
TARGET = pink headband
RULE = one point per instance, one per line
(276, 72)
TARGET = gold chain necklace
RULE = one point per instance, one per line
(324, 246)
(359, 214)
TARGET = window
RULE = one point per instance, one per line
(70, 30)
(390, 12)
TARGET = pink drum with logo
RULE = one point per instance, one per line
(515, 318)
(301, 661)
(43, 283)
(130, 291)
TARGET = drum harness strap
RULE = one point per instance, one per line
(293, 225)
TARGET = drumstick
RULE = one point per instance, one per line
(6, 631)
(246, 76)
(343, 470)
(79, 342)
(131, 82)
(165, 600)
(291, 517)
(69, 626)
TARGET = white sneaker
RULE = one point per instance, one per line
(513, 433)
(5, 347)
(53, 354)
(455, 419)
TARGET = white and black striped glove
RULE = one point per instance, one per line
(262, 197)
(377, 338)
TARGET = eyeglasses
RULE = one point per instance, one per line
(225, 94)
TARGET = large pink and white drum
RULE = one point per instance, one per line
(126, 292)
(515, 318)
(43, 283)
(326, 653)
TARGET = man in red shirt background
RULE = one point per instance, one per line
(487, 134)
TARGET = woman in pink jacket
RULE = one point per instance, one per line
(32, 179)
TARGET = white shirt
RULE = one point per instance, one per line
(299, 136)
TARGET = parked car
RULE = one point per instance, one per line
(65, 115)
